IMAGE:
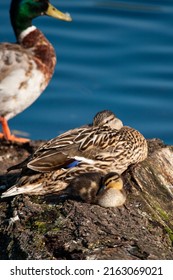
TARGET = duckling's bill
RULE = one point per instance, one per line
(53, 12)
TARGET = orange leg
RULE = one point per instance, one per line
(7, 134)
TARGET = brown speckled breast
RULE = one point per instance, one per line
(42, 51)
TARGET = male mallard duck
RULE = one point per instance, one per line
(92, 187)
(107, 144)
(27, 66)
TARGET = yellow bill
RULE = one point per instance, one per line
(53, 12)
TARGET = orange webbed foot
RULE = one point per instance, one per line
(7, 133)
(14, 138)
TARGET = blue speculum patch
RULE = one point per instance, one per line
(73, 164)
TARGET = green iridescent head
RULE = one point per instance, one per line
(22, 12)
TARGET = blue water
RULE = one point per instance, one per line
(115, 55)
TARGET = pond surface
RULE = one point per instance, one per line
(115, 55)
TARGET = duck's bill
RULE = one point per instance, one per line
(53, 12)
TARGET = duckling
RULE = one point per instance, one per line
(95, 188)
(27, 66)
(111, 193)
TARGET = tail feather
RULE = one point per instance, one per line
(29, 189)
(36, 189)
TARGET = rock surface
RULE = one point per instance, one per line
(33, 227)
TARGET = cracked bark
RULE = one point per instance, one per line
(54, 229)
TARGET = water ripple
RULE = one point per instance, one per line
(116, 55)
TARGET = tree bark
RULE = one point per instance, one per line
(55, 229)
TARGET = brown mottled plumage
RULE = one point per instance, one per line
(102, 149)
(102, 122)
(92, 187)
(108, 145)
(35, 183)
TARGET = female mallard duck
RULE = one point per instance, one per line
(107, 145)
(102, 119)
(92, 187)
(27, 66)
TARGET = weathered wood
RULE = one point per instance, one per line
(155, 178)
(54, 229)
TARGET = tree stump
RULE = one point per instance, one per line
(141, 229)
